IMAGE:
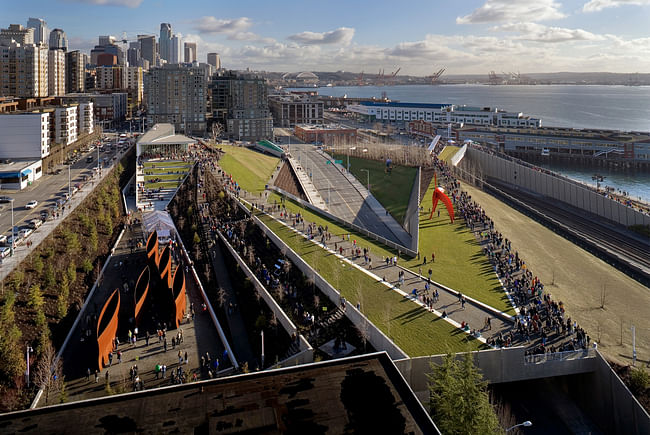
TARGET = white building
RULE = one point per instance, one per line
(214, 60)
(18, 174)
(65, 124)
(442, 113)
(86, 114)
(175, 49)
(23, 70)
(41, 31)
(25, 135)
(16, 32)
(56, 72)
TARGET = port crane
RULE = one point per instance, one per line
(360, 79)
(494, 79)
(435, 77)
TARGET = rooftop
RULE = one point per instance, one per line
(164, 134)
(398, 104)
(314, 127)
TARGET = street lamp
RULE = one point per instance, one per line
(526, 423)
(28, 350)
(367, 173)
(350, 149)
(13, 233)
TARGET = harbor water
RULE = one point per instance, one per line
(624, 108)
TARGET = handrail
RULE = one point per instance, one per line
(560, 356)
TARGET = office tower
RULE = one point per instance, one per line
(41, 32)
(176, 94)
(18, 33)
(110, 77)
(75, 71)
(133, 53)
(148, 48)
(23, 70)
(107, 45)
(190, 52)
(56, 71)
(175, 49)
(165, 40)
(214, 60)
(58, 39)
(135, 88)
(240, 103)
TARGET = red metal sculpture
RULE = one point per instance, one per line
(107, 328)
(439, 194)
(179, 295)
(141, 292)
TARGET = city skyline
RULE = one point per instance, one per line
(473, 37)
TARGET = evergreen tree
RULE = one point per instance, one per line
(12, 364)
(459, 400)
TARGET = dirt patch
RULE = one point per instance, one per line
(579, 279)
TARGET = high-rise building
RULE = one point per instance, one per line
(56, 71)
(110, 77)
(18, 33)
(190, 52)
(148, 48)
(177, 94)
(133, 53)
(23, 70)
(58, 39)
(175, 49)
(75, 74)
(135, 88)
(240, 103)
(41, 32)
(214, 60)
(165, 40)
(107, 45)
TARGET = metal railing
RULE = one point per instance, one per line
(560, 356)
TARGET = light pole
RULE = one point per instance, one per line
(69, 179)
(525, 424)
(262, 334)
(13, 234)
(28, 350)
(350, 149)
(368, 174)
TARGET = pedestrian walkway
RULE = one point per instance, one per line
(238, 332)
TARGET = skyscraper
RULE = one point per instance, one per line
(175, 49)
(214, 60)
(56, 71)
(190, 52)
(23, 70)
(107, 45)
(18, 33)
(165, 40)
(177, 94)
(41, 32)
(133, 53)
(58, 39)
(75, 67)
(148, 48)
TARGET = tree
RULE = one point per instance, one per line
(49, 276)
(35, 297)
(37, 264)
(48, 374)
(87, 266)
(92, 236)
(459, 401)
(72, 271)
(62, 298)
(12, 365)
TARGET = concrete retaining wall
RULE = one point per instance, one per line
(564, 190)
(346, 224)
(305, 355)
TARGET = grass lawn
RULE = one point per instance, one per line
(168, 164)
(249, 168)
(170, 177)
(448, 152)
(391, 190)
(460, 262)
(163, 184)
(415, 330)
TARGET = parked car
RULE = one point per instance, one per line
(35, 223)
(45, 214)
(3, 239)
(5, 251)
(5, 199)
(31, 204)
(25, 232)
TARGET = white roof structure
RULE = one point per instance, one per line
(160, 135)
(159, 221)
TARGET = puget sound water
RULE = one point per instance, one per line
(624, 108)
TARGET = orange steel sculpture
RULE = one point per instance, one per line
(180, 300)
(141, 292)
(439, 194)
(152, 248)
(107, 328)
(165, 267)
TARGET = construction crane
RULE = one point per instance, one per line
(360, 79)
(435, 77)
(391, 80)
(493, 78)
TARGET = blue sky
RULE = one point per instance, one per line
(470, 36)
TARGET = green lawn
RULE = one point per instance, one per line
(391, 190)
(163, 184)
(460, 262)
(250, 169)
(448, 152)
(415, 330)
(166, 177)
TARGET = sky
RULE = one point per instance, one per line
(418, 36)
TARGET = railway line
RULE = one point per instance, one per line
(625, 252)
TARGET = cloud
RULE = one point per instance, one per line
(210, 24)
(127, 3)
(496, 11)
(250, 36)
(341, 36)
(599, 5)
(541, 33)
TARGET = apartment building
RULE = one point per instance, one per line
(23, 70)
(56, 71)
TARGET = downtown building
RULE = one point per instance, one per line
(296, 108)
(75, 71)
(23, 70)
(190, 52)
(239, 102)
(176, 94)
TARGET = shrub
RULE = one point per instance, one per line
(639, 380)
(72, 271)
(12, 364)
(72, 242)
(87, 266)
(49, 277)
(93, 241)
(35, 297)
(37, 264)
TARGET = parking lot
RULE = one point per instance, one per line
(48, 195)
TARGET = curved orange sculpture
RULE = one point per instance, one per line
(107, 328)
(165, 267)
(152, 248)
(179, 295)
(141, 292)
(439, 194)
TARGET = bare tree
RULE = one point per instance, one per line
(48, 374)
(217, 130)
(364, 333)
(221, 297)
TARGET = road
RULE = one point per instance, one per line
(50, 187)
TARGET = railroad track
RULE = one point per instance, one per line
(630, 255)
